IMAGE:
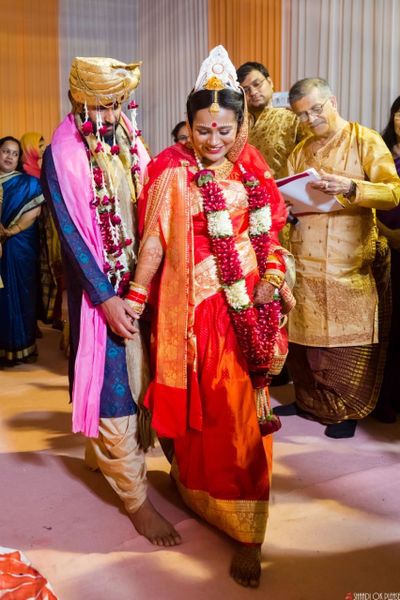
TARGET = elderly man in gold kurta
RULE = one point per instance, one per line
(273, 131)
(337, 330)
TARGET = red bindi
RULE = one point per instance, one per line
(213, 124)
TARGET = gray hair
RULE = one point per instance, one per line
(304, 86)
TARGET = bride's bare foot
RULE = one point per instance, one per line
(246, 565)
(148, 522)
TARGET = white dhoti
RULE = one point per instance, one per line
(117, 454)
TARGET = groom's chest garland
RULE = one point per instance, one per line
(118, 251)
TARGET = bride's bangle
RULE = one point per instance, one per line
(273, 279)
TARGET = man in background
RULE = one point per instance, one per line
(273, 131)
(338, 330)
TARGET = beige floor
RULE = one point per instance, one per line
(333, 534)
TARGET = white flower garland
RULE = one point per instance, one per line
(260, 220)
(219, 224)
(236, 295)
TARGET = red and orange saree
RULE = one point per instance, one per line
(201, 394)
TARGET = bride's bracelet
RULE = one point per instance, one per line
(137, 297)
(274, 279)
(136, 306)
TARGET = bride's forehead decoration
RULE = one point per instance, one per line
(217, 73)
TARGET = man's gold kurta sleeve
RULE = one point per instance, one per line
(381, 187)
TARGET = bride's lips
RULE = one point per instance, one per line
(213, 150)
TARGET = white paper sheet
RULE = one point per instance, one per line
(302, 198)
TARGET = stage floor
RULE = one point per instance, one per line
(334, 525)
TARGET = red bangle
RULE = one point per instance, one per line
(133, 295)
(275, 265)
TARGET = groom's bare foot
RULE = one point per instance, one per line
(246, 565)
(148, 522)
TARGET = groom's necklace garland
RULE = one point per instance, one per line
(256, 327)
(105, 201)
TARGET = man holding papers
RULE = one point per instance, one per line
(337, 331)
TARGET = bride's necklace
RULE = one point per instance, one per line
(223, 170)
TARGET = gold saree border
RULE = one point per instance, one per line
(18, 354)
(174, 343)
(243, 520)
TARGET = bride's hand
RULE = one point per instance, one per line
(264, 292)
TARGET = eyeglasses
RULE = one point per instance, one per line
(313, 112)
(255, 86)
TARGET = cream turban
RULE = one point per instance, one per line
(102, 81)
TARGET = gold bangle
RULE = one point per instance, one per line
(138, 308)
(137, 287)
(275, 280)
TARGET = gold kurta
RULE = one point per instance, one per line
(335, 290)
(274, 134)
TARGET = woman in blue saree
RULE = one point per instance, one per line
(20, 207)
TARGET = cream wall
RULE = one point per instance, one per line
(173, 41)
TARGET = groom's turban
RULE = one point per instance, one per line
(102, 81)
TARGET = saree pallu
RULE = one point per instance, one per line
(51, 282)
(19, 269)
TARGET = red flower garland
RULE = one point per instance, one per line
(256, 326)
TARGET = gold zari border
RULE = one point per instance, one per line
(243, 520)
(17, 354)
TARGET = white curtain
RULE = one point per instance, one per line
(95, 28)
(169, 36)
(173, 41)
(354, 44)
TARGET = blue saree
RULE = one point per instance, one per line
(19, 268)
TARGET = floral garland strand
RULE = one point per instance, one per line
(106, 205)
(256, 327)
(113, 232)
(135, 168)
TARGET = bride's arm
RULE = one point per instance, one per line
(150, 257)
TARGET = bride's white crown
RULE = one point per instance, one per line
(217, 72)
